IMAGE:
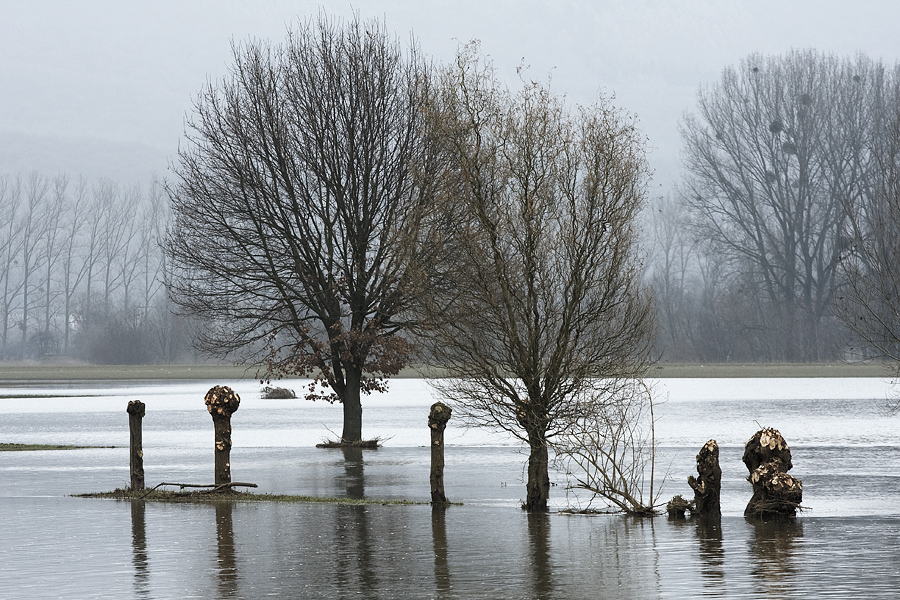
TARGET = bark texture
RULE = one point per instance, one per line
(136, 410)
(775, 493)
(222, 402)
(437, 422)
(708, 485)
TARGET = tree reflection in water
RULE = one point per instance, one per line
(712, 552)
(774, 550)
(439, 535)
(353, 472)
(139, 549)
(355, 551)
(227, 572)
(539, 545)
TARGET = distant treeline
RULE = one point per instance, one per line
(81, 272)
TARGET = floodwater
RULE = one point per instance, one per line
(52, 545)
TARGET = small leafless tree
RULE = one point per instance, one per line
(535, 308)
(297, 206)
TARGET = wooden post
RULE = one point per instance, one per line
(708, 486)
(437, 422)
(222, 402)
(136, 410)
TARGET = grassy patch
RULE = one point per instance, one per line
(29, 447)
(233, 496)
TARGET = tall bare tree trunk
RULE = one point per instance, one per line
(538, 485)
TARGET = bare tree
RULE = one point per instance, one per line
(776, 148)
(297, 203)
(535, 309)
(869, 295)
(10, 240)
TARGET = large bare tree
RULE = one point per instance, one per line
(869, 294)
(297, 203)
(776, 149)
(535, 310)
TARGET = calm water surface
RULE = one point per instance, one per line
(54, 546)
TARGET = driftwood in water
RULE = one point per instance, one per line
(222, 402)
(775, 493)
(708, 485)
(136, 410)
(437, 422)
(677, 506)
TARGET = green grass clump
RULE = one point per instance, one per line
(30, 447)
(155, 495)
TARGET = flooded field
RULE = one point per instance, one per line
(846, 451)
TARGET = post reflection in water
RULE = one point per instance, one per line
(774, 547)
(712, 553)
(227, 571)
(439, 535)
(539, 546)
(353, 472)
(139, 549)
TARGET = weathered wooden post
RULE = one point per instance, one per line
(136, 410)
(775, 493)
(437, 422)
(222, 402)
(708, 486)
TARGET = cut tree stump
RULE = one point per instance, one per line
(222, 402)
(136, 410)
(775, 493)
(708, 485)
(437, 422)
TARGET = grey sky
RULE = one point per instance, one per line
(102, 87)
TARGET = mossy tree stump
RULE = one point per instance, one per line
(775, 493)
(708, 485)
(136, 410)
(437, 422)
(222, 402)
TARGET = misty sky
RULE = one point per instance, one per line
(102, 88)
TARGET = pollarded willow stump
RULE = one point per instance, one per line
(775, 493)
(437, 422)
(708, 485)
(136, 410)
(222, 402)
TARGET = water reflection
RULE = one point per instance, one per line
(355, 557)
(227, 572)
(774, 550)
(439, 536)
(539, 545)
(353, 472)
(712, 553)
(139, 549)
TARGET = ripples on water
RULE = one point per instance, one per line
(52, 545)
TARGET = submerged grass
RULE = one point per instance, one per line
(29, 447)
(153, 495)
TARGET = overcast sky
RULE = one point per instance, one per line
(101, 87)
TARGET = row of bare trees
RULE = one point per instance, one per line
(81, 271)
(779, 154)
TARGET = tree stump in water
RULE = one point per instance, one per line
(437, 422)
(222, 402)
(136, 410)
(775, 493)
(708, 486)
